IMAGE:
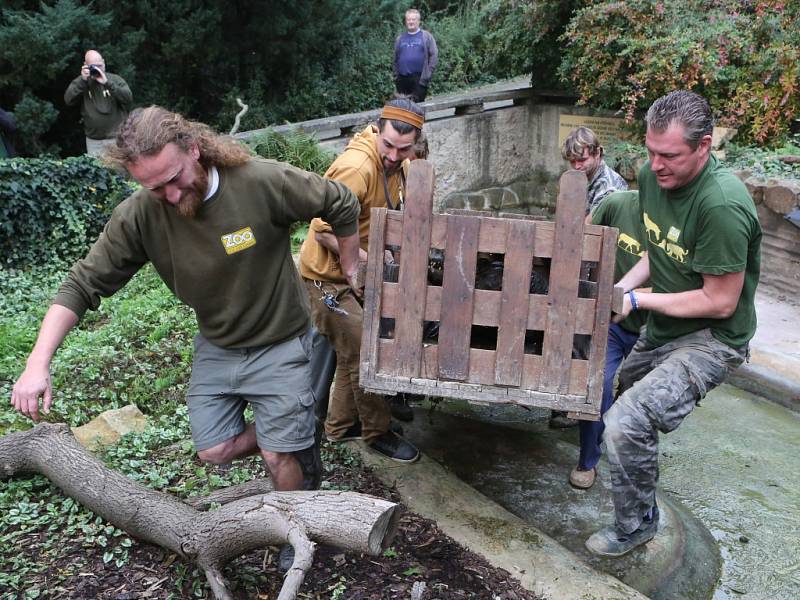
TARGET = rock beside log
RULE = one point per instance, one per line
(782, 196)
(106, 429)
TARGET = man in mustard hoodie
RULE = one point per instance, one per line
(372, 167)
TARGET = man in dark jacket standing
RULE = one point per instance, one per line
(105, 100)
(415, 57)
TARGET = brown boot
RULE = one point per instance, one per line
(582, 480)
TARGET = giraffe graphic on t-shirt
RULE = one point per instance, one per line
(651, 227)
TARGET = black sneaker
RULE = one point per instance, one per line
(560, 420)
(395, 447)
(354, 432)
(398, 404)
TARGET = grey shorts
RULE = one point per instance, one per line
(275, 380)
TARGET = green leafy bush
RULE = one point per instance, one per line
(626, 158)
(52, 210)
(765, 162)
(744, 57)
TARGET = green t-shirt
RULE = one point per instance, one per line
(621, 210)
(708, 226)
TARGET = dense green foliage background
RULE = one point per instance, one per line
(288, 61)
(311, 58)
(742, 55)
(53, 209)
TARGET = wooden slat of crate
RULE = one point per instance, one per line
(481, 374)
(372, 295)
(514, 302)
(413, 278)
(457, 293)
(486, 308)
(605, 284)
(565, 268)
(482, 364)
(482, 367)
(492, 237)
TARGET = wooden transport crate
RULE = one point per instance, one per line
(396, 357)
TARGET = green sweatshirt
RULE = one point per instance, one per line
(104, 106)
(232, 263)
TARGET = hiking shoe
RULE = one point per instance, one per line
(560, 420)
(395, 447)
(582, 480)
(398, 404)
(285, 558)
(609, 541)
(354, 432)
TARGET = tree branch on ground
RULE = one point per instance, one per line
(348, 520)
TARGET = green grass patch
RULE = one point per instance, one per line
(136, 349)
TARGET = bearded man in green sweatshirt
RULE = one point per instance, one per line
(214, 223)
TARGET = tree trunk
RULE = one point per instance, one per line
(347, 520)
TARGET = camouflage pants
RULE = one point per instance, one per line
(659, 386)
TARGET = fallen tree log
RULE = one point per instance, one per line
(348, 520)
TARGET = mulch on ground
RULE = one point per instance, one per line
(420, 554)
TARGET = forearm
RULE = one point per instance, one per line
(349, 253)
(332, 243)
(56, 324)
(637, 275)
(328, 240)
(683, 305)
(120, 91)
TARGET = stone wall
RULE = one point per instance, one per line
(515, 147)
(487, 149)
(780, 246)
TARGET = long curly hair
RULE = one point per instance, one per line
(147, 130)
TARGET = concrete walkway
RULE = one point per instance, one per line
(774, 368)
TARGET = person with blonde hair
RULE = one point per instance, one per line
(584, 153)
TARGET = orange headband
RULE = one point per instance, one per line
(401, 114)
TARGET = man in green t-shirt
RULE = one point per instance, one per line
(703, 242)
(214, 223)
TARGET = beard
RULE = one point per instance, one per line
(390, 168)
(193, 197)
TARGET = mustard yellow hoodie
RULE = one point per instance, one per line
(360, 168)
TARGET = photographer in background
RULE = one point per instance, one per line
(105, 101)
